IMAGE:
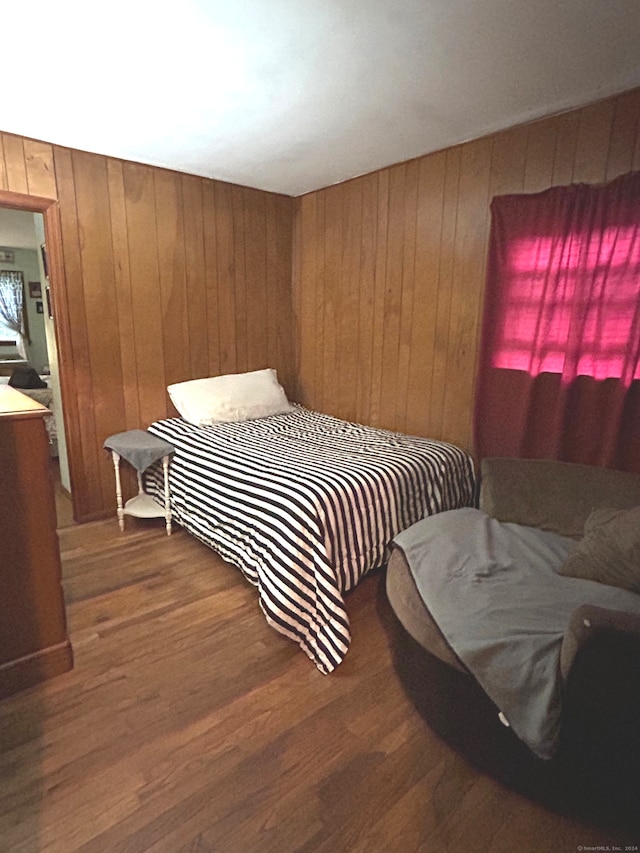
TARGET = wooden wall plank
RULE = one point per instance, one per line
(140, 205)
(15, 165)
(271, 223)
(122, 276)
(100, 305)
(390, 329)
(319, 289)
(508, 161)
(408, 287)
(564, 157)
(41, 179)
(194, 256)
(305, 305)
(172, 279)
(332, 249)
(211, 276)
(379, 287)
(82, 441)
(285, 351)
(365, 308)
(441, 351)
(256, 279)
(636, 153)
(593, 142)
(541, 145)
(624, 133)
(467, 289)
(349, 312)
(239, 277)
(226, 278)
(423, 328)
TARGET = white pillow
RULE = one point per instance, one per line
(234, 397)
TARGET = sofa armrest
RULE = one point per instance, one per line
(600, 735)
(589, 623)
(551, 495)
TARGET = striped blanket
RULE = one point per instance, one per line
(305, 505)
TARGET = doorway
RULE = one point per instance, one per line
(24, 250)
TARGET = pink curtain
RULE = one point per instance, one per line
(559, 372)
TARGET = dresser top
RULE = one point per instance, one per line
(13, 404)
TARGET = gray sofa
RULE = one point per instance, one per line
(580, 617)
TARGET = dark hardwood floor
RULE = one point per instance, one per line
(64, 507)
(188, 725)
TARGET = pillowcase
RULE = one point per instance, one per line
(610, 550)
(230, 398)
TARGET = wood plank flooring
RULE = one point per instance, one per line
(64, 506)
(190, 726)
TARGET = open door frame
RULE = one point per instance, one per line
(50, 211)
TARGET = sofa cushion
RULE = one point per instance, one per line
(551, 495)
(610, 550)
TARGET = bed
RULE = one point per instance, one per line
(305, 505)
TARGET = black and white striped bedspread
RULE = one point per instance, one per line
(305, 504)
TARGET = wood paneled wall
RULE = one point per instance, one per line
(165, 277)
(389, 268)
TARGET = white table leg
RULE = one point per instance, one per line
(167, 503)
(116, 466)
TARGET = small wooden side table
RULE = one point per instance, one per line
(141, 449)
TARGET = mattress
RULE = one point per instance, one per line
(305, 505)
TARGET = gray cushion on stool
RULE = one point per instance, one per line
(139, 447)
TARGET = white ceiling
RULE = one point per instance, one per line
(294, 95)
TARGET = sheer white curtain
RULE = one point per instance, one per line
(12, 313)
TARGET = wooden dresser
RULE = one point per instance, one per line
(34, 644)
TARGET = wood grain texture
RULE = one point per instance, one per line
(33, 632)
(189, 725)
(371, 311)
(425, 281)
(163, 277)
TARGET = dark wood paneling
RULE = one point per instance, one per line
(210, 278)
(166, 277)
(404, 285)
(122, 281)
(102, 371)
(75, 368)
(41, 179)
(196, 281)
(281, 326)
(226, 279)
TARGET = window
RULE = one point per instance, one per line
(12, 308)
(559, 370)
(588, 313)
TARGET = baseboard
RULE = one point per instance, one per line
(17, 675)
